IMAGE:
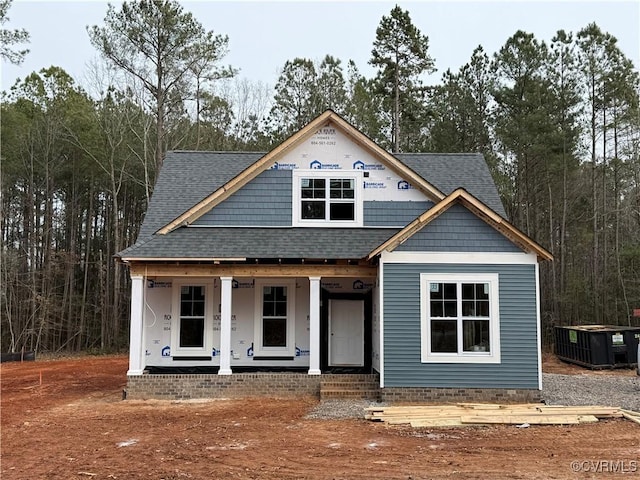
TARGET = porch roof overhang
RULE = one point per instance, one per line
(237, 243)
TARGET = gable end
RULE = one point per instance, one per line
(472, 204)
(251, 172)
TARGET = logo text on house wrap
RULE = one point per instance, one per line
(284, 166)
(360, 285)
(318, 165)
(236, 284)
(360, 165)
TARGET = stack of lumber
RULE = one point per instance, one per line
(483, 414)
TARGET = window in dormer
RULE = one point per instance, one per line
(327, 198)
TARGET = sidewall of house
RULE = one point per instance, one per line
(518, 367)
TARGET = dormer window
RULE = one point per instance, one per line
(330, 198)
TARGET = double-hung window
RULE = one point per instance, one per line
(192, 304)
(327, 198)
(191, 331)
(460, 321)
(274, 316)
(274, 334)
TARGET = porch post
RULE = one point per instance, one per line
(314, 326)
(225, 326)
(136, 349)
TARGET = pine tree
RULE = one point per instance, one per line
(10, 38)
(161, 45)
(400, 53)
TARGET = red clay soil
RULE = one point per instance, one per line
(74, 425)
(551, 364)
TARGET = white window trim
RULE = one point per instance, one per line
(258, 348)
(356, 175)
(494, 318)
(206, 349)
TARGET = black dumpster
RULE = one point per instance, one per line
(17, 357)
(598, 346)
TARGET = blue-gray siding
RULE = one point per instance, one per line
(393, 214)
(518, 331)
(264, 202)
(267, 201)
(458, 230)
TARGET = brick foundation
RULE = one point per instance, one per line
(287, 385)
(238, 385)
(455, 395)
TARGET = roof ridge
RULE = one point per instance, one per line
(216, 151)
(446, 154)
(240, 152)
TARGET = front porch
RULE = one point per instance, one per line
(212, 320)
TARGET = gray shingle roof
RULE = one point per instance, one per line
(206, 242)
(187, 177)
(449, 171)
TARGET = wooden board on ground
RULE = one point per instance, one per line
(485, 414)
(530, 419)
(633, 416)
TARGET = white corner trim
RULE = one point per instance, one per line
(381, 319)
(539, 327)
(470, 258)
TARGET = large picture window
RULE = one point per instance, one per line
(327, 198)
(274, 323)
(460, 319)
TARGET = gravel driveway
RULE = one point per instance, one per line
(557, 389)
(602, 390)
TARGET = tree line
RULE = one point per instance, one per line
(558, 122)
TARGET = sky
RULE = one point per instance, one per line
(264, 35)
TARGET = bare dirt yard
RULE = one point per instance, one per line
(74, 425)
